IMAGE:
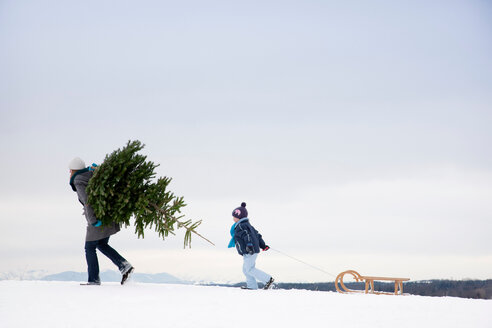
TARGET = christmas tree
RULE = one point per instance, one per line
(124, 187)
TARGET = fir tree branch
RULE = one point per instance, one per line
(180, 224)
(123, 186)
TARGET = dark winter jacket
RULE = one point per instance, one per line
(245, 234)
(79, 182)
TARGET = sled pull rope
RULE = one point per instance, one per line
(310, 265)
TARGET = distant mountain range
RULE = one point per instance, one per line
(481, 289)
(106, 276)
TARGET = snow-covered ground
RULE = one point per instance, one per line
(67, 304)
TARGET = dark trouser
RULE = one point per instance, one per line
(91, 257)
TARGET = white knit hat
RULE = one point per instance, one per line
(76, 164)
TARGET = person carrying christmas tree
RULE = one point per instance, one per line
(97, 235)
(248, 243)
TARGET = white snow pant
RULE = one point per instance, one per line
(252, 274)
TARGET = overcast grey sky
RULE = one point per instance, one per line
(358, 132)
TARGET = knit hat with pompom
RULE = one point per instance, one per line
(240, 212)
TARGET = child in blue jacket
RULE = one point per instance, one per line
(248, 243)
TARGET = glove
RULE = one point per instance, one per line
(249, 249)
(266, 248)
(97, 224)
(93, 167)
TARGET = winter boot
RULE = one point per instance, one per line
(269, 283)
(126, 274)
(91, 283)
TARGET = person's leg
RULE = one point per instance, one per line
(92, 262)
(259, 275)
(256, 273)
(248, 265)
(122, 264)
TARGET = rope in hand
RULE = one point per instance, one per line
(310, 265)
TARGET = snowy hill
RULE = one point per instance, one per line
(108, 276)
(23, 275)
(113, 276)
(67, 304)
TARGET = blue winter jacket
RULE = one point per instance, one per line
(245, 234)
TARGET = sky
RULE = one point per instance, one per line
(357, 132)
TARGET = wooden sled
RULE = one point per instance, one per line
(369, 281)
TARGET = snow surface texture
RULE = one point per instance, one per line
(67, 304)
